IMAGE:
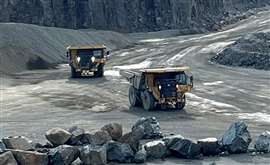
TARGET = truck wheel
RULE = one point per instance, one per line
(74, 74)
(100, 71)
(181, 105)
(148, 100)
(133, 96)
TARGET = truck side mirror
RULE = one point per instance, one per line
(108, 53)
(191, 81)
(67, 55)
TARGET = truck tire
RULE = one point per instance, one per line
(181, 105)
(74, 74)
(148, 100)
(133, 96)
(100, 71)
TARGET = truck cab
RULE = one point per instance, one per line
(86, 61)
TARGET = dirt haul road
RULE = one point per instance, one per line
(34, 101)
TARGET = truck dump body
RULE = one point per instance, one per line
(165, 85)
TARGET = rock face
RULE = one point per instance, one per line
(96, 138)
(236, 139)
(119, 152)
(251, 51)
(114, 129)
(130, 139)
(125, 15)
(63, 155)
(262, 143)
(7, 158)
(57, 136)
(147, 128)
(156, 149)
(93, 155)
(30, 158)
(18, 142)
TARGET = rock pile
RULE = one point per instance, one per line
(251, 51)
(145, 141)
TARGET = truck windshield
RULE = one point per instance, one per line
(97, 53)
(181, 79)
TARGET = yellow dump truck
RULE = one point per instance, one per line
(159, 87)
(87, 60)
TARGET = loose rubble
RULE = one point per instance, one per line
(236, 139)
(262, 143)
(109, 144)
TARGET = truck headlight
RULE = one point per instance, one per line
(177, 86)
(93, 59)
(159, 87)
(78, 59)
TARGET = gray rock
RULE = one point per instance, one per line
(76, 135)
(63, 155)
(7, 158)
(30, 157)
(156, 149)
(98, 138)
(236, 139)
(262, 143)
(119, 152)
(57, 136)
(114, 129)
(130, 139)
(18, 142)
(2, 147)
(140, 156)
(93, 155)
(210, 146)
(147, 128)
(185, 148)
(170, 140)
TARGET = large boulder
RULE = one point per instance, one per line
(156, 149)
(170, 140)
(147, 128)
(76, 135)
(57, 136)
(18, 142)
(30, 157)
(2, 147)
(131, 139)
(99, 137)
(210, 146)
(7, 158)
(262, 143)
(236, 139)
(114, 129)
(93, 155)
(119, 152)
(186, 148)
(140, 156)
(63, 155)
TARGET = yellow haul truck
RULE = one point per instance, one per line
(159, 87)
(87, 60)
